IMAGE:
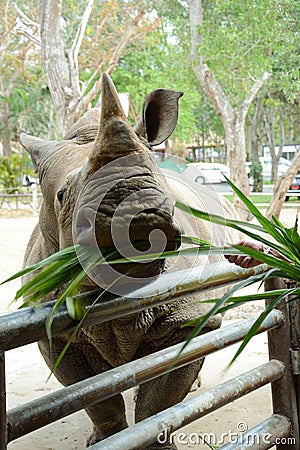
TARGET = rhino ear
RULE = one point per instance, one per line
(160, 115)
(34, 147)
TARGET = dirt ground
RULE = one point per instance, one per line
(27, 372)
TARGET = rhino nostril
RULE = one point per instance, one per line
(85, 227)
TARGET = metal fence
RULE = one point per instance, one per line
(282, 371)
(22, 199)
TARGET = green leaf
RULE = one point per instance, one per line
(218, 219)
(253, 330)
(58, 256)
(49, 279)
(202, 321)
(290, 269)
(268, 226)
(236, 225)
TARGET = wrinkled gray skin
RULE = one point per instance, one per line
(87, 147)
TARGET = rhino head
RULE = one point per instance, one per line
(101, 186)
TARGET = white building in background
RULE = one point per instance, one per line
(288, 151)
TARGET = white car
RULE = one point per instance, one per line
(266, 163)
(203, 173)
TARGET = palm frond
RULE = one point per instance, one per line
(63, 271)
(286, 242)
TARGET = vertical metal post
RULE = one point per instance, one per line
(294, 310)
(284, 395)
(3, 425)
(34, 199)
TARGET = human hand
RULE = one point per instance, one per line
(247, 261)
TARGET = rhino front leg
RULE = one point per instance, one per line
(108, 416)
(163, 392)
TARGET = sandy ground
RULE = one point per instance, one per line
(27, 372)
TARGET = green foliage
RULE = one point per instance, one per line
(285, 240)
(64, 269)
(256, 173)
(154, 67)
(286, 76)
(237, 39)
(240, 41)
(29, 107)
(12, 169)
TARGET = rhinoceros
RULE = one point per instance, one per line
(77, 187)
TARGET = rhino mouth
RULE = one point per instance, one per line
(144, 250)
(127, 276)
(125, 217)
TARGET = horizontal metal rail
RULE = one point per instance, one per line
(40, 412)
(175, 417)
(27, 325)
(271, 431)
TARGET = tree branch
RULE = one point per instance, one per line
(281, 187)
(253, 92)
(94, 74)
(25, 19)
(55, 63)
(30, 36)
(85, 101)
(81, 30)
(207, 79)
(12, 82)
(124, 41)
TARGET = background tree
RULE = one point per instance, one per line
(282, 186)
(149, 45)
(255, 136)
(236, 46)
(160, 63)
(280, 108)
(14, 51)
(234, 33)
(66, 31)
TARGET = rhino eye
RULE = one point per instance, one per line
(60, 195)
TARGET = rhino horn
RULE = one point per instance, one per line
(115, 137)
(33, 145)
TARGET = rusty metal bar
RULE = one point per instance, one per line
(28, 325)
(294, 310)
(3, 426)
(284, 394)
(157, 427)
(40, 412)
(271, 431)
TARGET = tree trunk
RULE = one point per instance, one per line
(255, 142)
(61, 65)
(269, 121)
(281, 187)
(233, 119)
(236, 157)
(6, 91)
(54, 61)
(6, 135)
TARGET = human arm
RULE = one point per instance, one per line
(247, 261)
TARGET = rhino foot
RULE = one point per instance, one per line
(95, 437)
(197, 383)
